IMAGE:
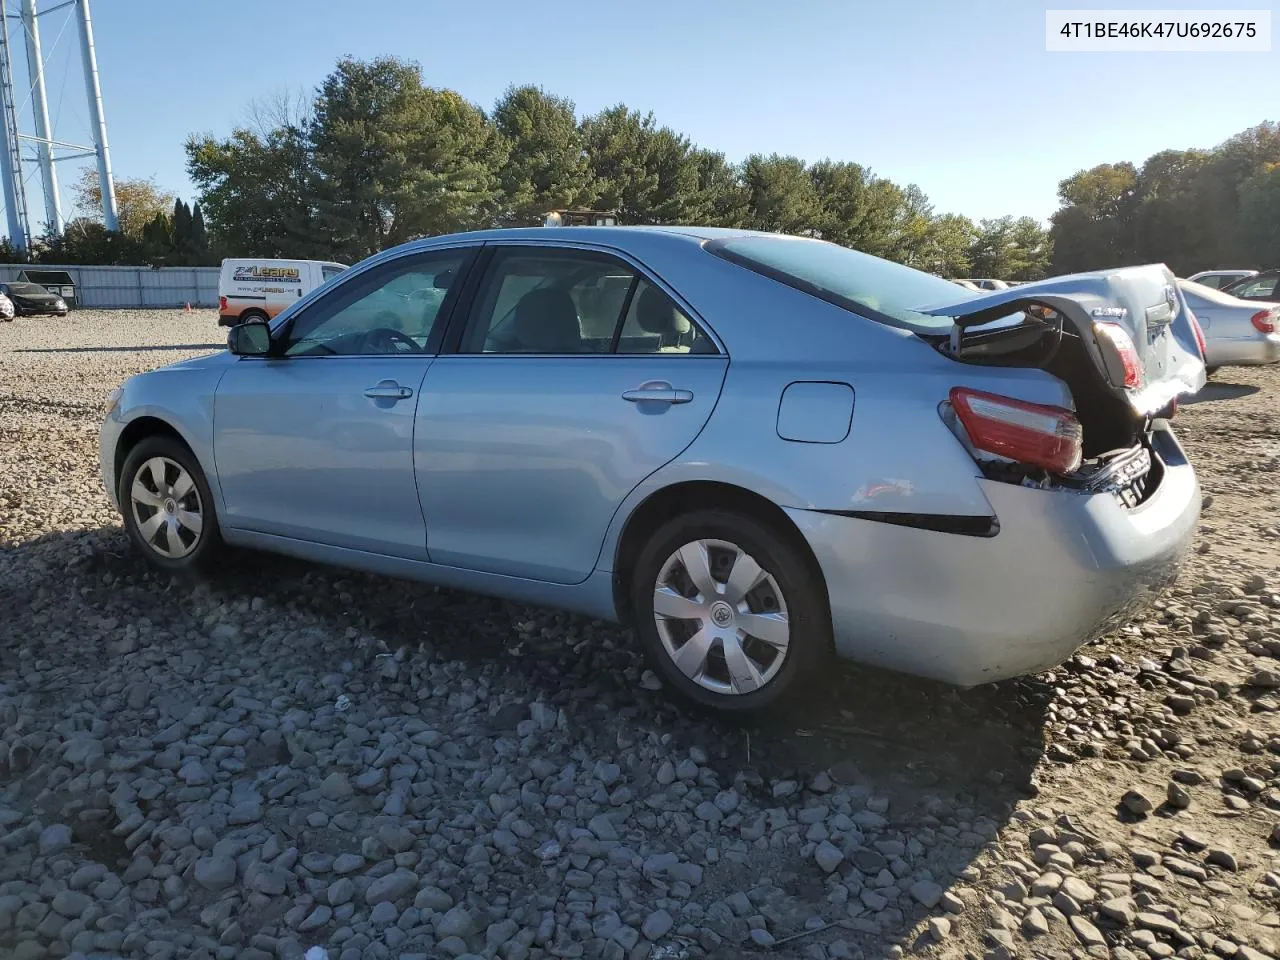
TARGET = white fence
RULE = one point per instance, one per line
(132, 286)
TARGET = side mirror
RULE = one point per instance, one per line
(250, 339)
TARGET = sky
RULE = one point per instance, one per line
(958, 98)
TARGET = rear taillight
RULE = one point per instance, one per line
(222, 304)
(1120, 341)
(1264, 321)
(1030, 433)
(1195, 328)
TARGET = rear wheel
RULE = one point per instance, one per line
(252, 315)
(730, 613)
(167, 506)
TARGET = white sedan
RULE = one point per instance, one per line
(1236, 332)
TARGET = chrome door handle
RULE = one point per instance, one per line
(657, 391)
(388, 390)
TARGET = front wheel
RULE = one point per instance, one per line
(167, 506)
(731, 614)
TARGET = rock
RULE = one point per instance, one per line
(1222, 857)
(828, 857)
(315, 919)
(952, 903)
(1077, 890)
(761, 937)
(657, 925)
(1178, 795)
(70, 904)
(340, 891)
(391, 887)
(602, 827)
(456, 922)
(336, 787)
(345, 863)
(1136, 803)
(709, 812)
(926, 893)
(1122, 910)
(1264, 679)
(939, 928)
(500, 932)
(54, 839)
(1086, 932)
(1034, 924)
(215, 873)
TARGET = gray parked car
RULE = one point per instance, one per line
(1219, 279)
(757, 449)
(1236, 332)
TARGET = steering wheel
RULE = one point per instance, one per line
(389, 340)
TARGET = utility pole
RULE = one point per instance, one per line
(93, 91)
(15, 194)
(48, 151)
(40, 108)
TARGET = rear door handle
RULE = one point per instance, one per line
(388, 390)
(657, 391)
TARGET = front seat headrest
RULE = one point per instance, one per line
(546, 321)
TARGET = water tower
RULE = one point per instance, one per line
(42, 149)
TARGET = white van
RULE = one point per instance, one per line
(261, 288)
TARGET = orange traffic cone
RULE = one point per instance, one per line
(188, 306)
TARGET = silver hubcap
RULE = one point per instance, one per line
(721, 617)
(166, 507)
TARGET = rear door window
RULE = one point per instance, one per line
(558, 301)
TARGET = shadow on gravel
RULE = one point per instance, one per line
(146, 349)
(938, 754)
(1218, 390)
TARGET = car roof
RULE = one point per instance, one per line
(604, 235)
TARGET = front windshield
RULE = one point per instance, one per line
(26, 289)
(878, 289)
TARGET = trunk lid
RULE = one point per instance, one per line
(1144, 301)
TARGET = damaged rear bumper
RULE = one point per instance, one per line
(1064, 567)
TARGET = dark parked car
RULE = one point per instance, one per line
(1261, 286)
(31, 298)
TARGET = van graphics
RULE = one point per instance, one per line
(277, 274)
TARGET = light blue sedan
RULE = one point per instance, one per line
(756, 449)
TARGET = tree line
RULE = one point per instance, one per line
(378, 158)
(1191, 209)
(156, 228)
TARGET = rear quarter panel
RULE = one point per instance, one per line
(899, 455)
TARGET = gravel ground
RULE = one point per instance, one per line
(291, 757)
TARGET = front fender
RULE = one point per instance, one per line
(181, 397)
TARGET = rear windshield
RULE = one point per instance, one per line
(877, 289)
(1212, 294)
(27, 289)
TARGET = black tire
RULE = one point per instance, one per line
(251, 315)
(1210, 371)
(205, 546)
(797, 579)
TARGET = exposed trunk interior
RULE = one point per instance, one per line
(1107, 421)
(1116, 450)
